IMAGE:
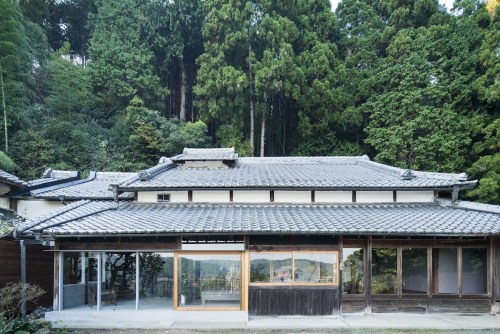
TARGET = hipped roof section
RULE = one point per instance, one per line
(442, 218)
(308, 173)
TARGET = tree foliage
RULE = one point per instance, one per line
(114, 85)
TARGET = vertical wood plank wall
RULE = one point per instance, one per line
(39, 268)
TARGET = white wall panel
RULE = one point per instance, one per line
(282, 196)
(251, 196)
(415, 196)
(211, 196)
(333, 196)
(34, 208)
(374, 196)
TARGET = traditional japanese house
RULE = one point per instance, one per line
(210, 236)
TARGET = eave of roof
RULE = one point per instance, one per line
(96, 186)
(12, 180)
(87, 218)
(293, 173)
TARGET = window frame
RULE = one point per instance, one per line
(293, 283)
(158, 200)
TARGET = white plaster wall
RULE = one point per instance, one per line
(333, 196)
(211, 196)
(415, 196)
(374, 196)
(282, 196)
(4, 203)
(33, 208)
(152, 196)
(251, 196)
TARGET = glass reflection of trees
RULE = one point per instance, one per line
(216, 278)
(300, 267)
(353, 271)
(120, 274)
(414, 270)
(384, 271)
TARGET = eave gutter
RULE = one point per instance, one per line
(176, 234)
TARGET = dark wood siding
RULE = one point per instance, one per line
(39, 268)
(422, 305)
(296, 300)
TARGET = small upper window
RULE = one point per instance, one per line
(162, 198)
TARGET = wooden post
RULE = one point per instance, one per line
(99, 279)
(492, 277)
(55, 297)
(459, 269)
(137, 281)
(399, 270)
(339, 270)
(60, 281)
(176, 280)
(368, 276)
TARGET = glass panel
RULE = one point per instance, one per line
(474, 271)
(315, 267)
(384, 271)
(209, 280)
(271, 267)
(156, 280)
(444, 270)
(79, 279)
(415, 270)
(118, 286)
(352, 274)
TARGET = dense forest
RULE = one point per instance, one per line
(115, 84)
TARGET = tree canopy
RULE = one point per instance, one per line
(114, 85)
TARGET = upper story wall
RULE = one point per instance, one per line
(285, 196)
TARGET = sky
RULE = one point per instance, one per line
(447, 3)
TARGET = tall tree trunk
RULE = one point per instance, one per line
(4, 112)
(252, 117)
(182, 112)
(263, 127)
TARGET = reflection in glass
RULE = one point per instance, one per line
(415, 270)
(271, 267)
(384, 271)
(353, 270)
(474, 271)
(444, 270)
(79, 279)
(315, 267)
(209, 280)
(118, 286)
(156, 280)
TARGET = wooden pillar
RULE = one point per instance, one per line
(60, 292)
(99, 279)
(340, 269)
(55, 301)
(368, 275)
(492, 276)
(137, 283)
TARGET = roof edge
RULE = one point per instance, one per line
(467, 205)
(36, 193)
(32, 223)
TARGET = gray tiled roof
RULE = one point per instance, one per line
(104, 218)
(294, 172)
(52, 175)
(96, 186)
(206, 154)
(11, 179)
